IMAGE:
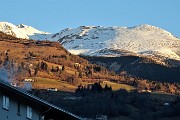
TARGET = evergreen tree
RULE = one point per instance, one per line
(63, 68)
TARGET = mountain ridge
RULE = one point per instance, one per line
(143, 39)
(23, 31)
(106, 41)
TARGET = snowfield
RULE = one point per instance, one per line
(111, 41)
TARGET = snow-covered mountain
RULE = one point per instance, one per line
(23, 31)
(117, 41)
(143, 40)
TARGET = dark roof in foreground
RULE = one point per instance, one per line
(26, 95)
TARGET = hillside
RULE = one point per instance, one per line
(143, 51)
(47, 63)
(140, 66)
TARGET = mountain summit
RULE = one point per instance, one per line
(13, 30)
(23, 31)
(115, 41)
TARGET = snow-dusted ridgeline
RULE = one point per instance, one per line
(23, 31)
(111, 41)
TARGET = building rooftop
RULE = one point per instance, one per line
(22, 93)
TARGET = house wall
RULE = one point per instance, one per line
(11, 114)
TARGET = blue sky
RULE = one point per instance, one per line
(55, 15)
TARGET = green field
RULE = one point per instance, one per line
(44, 83)
(117, 86)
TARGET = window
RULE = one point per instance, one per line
(18, 108)
(29, 112)
(5, 102)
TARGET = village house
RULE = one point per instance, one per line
(17, 104)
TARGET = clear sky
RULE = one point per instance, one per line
(55, 15)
